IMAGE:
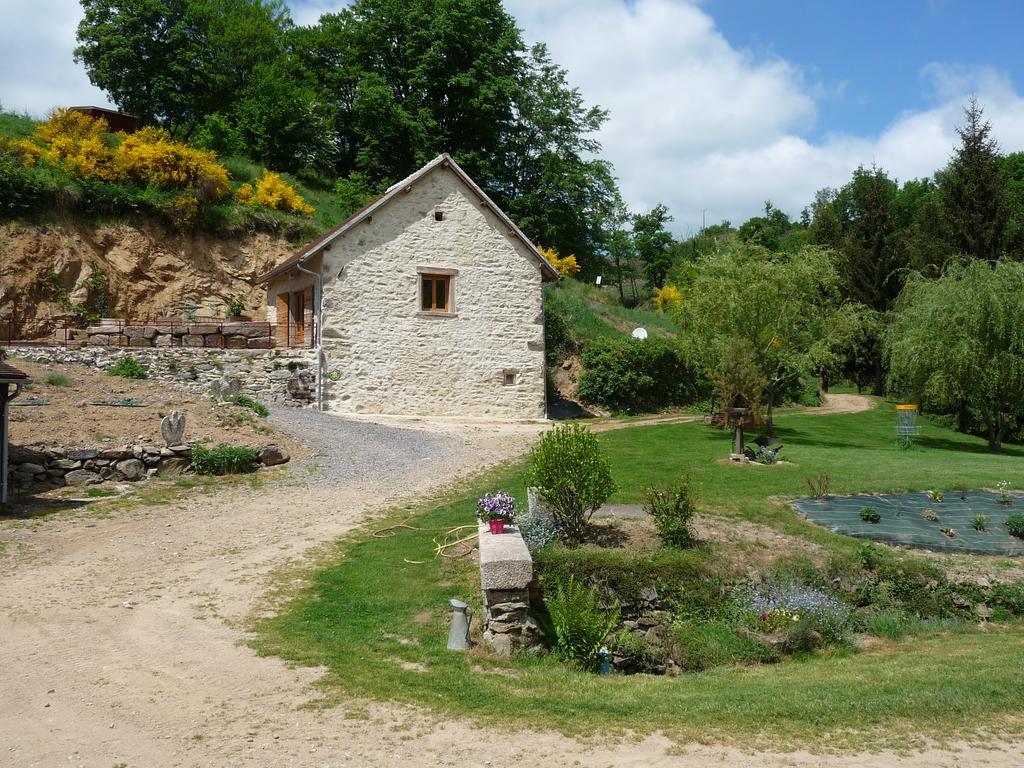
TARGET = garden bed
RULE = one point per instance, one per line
(970, 522)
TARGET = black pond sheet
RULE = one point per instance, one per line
(902, 520)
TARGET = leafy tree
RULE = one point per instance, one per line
(862, 222)
(653, 243)
(774, 231)
(777, 307)
(958, 342)
(974, 190)
(177, 61)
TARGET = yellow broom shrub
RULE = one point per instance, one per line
(23, 151)
(668, 297)
(567, 266)
(272, 191)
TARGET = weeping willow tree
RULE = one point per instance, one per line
(957, 344)
(765, 314)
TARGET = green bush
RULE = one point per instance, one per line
(559, 340)
(223, 460)
(869, 515)
(58, 380)
(572, 475)
(256, 407)
(699, 645)
(637, 376)
(581, 624)
(127, 368)
(637, 654)
(672, 508)
(1015, 525)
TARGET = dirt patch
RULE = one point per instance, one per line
(843, 403)
(70, 420)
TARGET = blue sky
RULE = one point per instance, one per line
(716, 105)
(868, 56)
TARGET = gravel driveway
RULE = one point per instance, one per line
(347, 450)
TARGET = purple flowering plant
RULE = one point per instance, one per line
(496, 506)
(775, 605)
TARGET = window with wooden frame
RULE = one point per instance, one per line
(435, 293)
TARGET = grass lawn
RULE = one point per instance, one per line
(376, 604)
(594, 313)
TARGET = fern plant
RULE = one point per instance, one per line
(581, 624)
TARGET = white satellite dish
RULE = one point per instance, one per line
(640, 333)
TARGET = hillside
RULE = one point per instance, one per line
(138, 270)
(594, 313)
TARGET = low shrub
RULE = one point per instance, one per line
(869, 515)
(58, 380)
(1015, 525)
(765, 454)
(559, 339)
(980, 523)
(537, 530)
(819, 486)
(272, 191)
(930, 515)
(580, 622)
(794, 603)
(699, 645)
(672, 508)
(223, 459)
(244, 401)
(637, 376)
(572, 475)
(127, 368)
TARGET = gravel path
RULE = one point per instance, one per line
(346, 450)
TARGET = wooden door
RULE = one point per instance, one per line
(281, 333)
(298, 319)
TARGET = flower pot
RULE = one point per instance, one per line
(497, 526)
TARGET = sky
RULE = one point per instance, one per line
(716, 106)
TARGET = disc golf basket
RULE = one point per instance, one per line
(906, 425)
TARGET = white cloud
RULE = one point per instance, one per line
(695, 122)
(700, 125)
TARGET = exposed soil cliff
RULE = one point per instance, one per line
(139, 270)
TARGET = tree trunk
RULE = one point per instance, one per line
(879, 390)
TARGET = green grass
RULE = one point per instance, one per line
(16, 126)
(58, 380)
(594, 313)
(369, 594)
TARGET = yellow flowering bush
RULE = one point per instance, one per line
(274, 192)
(150, 156)
(667, 297)
(23, 151)
(567, 266)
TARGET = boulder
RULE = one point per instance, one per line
(174, 466)
(131, 469)
(31, 469)
(65, 464)
(272, 455)
(83, 454)
(192, 340)
(81, 477)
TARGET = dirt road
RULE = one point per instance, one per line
(119, 641)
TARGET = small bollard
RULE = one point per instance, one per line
(458, 633)
(603, 656)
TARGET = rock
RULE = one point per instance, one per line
(502, 644)
(172, 428)
(31, 469)
(131, 469)
(137, 452)
(272, 455)
(83, 454)
(81, 477)
(174, 466)
(66, 464)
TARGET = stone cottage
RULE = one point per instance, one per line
(428, 301)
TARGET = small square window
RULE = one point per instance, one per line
(435, 293)
(510, 378)
(438, 215)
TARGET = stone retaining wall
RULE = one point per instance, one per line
(56, 467)
(236, 335)
(283, 376)
(506, 571)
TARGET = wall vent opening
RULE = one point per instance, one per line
(438, 215)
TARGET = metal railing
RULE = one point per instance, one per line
(198, 333)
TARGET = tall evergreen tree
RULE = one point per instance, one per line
(974, 190)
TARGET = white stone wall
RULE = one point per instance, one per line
(390, 358)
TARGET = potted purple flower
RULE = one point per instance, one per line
(496, 509)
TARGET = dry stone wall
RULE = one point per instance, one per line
(283, 376)
(59, 466)
(239, 335)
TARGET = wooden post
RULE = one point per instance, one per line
(3, 443)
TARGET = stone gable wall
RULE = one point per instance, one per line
(385, 356)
